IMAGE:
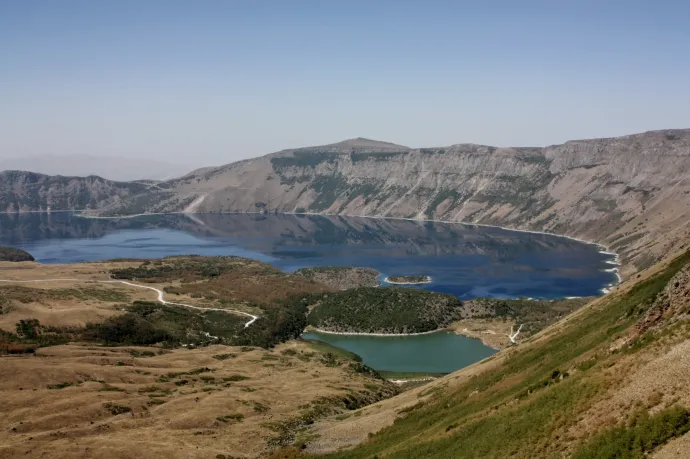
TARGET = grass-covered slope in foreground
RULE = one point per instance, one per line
(383, 310)
(83, 401)
(619, 363)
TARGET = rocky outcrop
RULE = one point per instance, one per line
(671, 305)
(27, 191)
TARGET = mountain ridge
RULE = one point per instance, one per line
(629, 193)
(121, 169)
(624, 192)
(22, 191)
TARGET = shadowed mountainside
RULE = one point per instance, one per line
(27, 191)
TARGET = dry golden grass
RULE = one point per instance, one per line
(252, 287)
(191, 414)
(85, 400)
(49, 302)
(62, 303)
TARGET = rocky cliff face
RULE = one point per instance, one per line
(631, 193)
(27, 191)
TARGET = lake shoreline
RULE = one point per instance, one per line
(410, 357)
(604, 249)
(391, 335)
(613, 269)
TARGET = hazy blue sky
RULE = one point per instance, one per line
(209, 82)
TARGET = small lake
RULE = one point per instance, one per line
(467, 261)
(440, 352)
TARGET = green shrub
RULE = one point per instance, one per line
(231, 417)
(28, 328)
(383, 310)
(640, 437)
(223, 356)
(60, 385)
(116, 409)
(235, 378)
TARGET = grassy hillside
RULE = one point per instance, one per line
(610, 380)
(84, 401)
(97, 313)
(597, 385)
(72, 382)
(383, 310)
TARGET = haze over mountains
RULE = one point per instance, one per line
(109, 167)
(629, 192)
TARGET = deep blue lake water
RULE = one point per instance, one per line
(465, 260)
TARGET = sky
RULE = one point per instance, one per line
(210, 82)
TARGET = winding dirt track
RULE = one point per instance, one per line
(161, 295)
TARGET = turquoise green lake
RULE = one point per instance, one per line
(440, 352)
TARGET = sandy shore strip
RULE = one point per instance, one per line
(404, 381)
(388, 335)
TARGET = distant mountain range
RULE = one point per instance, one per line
(630, 193)
(112, 168)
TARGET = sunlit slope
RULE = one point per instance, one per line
(616, 363)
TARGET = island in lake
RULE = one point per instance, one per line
(408, 280)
